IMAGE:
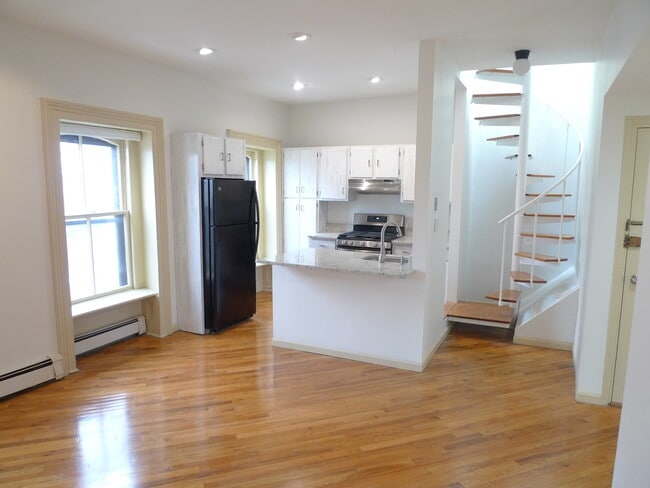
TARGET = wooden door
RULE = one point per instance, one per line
(333, 174)
(386, 161)
(633, 201)
(361, 162)
(213, 156)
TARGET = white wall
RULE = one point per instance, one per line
(342, 213)
(629, 23)
(35, 64)
(435, 129)
(386, 120)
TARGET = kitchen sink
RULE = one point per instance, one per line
(389, 259)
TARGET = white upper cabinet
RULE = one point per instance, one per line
(300, 173)
(407, 173)
(361, 162)
(374, 162)
(333, 174)
(223, 157)
(386, 160)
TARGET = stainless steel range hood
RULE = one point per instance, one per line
(375, 186)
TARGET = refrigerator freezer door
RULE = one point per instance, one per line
(229, 202)
(229, 286)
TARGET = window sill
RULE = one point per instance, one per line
(90, 306)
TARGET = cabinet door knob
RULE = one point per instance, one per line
(220, 156)
(368, 163)
(229, 157)
(297, 189)
(297, 207)
(378, 163)
(633, 279)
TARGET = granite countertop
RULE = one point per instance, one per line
(344, 261)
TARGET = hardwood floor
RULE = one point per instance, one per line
(229, 410)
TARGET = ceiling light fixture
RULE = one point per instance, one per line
(300, 36)
(204, 51)
(375, 79)
(298, 85)
(521, 65)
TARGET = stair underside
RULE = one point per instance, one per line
(497, 98)
(541, 257)
(500, 75)
(510, 296)
(515, 156)
(523, 277)
(548, 236)
(551, 216)
(536, 175)
(482, 314)
(499, 120)
(508, 140)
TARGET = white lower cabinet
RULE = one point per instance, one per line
(300, 220)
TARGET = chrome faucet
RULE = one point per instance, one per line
(382, 248)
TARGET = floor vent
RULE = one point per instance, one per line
(109, 335)
(30, 376)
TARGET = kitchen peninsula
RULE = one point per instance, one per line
(337, 303)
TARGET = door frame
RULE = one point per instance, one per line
(632, 125)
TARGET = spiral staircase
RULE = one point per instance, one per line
(543, 224)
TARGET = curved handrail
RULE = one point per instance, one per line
(535, 200)
(555, 185)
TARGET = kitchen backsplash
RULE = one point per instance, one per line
(342, 213)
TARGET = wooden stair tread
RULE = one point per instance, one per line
(510, 296)
(535, 175)
(550, 195)
(496, 70)
(497, 95)
(523, 277)
(548, 236)
(488, 312)
(515, 156)
(500, 138)
(492, 117)
(553, 216)
(540, 257)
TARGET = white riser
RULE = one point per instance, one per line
(504, 122)
(501, 101)
(500, 77)
(508, 142)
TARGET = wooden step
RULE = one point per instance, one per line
(551, 216)
(482, 314)
(497, 99)
(500, 75)
(509, 140)
(499, 120)
(510, 296)
(548, 236)
(549, 195)
(523, 277)
(536, 175)
(540, 257)
(515, 156)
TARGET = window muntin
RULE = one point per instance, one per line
(97, 220)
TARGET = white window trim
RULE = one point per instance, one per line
(53, 113)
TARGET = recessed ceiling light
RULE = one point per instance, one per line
(300, 36)
(204, 51)
(375, 79)
(298, 85)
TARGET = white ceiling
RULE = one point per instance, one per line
(351, 39)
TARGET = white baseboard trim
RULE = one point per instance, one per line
(592, 399)
(546, 343)
(33, 375)
(407, 365)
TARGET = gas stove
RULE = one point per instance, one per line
(366, 233)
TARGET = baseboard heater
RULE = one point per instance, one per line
(29, 376)
(109, 334)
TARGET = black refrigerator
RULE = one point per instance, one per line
(230, 226)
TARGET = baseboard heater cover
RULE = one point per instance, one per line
(33, 375)
(109, 334)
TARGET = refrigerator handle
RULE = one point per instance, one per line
(257, 222)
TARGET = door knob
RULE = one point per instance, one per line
(633, 279)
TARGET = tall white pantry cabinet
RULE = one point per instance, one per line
(194, 156)
(300, 192)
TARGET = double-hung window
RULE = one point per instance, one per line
(97, 217)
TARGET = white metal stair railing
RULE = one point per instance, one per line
(535, 202)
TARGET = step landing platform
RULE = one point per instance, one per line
(482, 314)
